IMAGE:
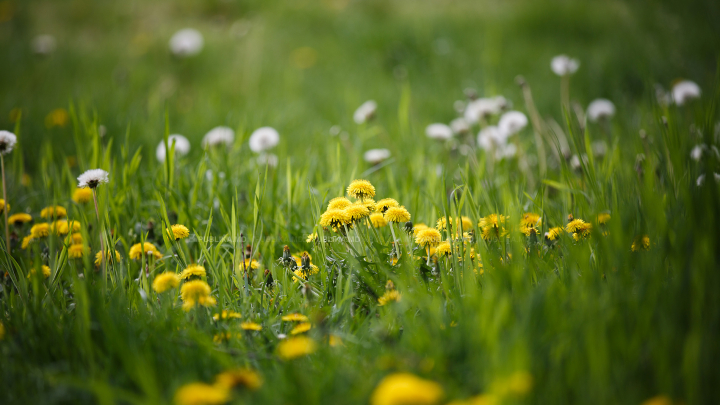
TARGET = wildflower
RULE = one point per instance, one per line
(440, 132)
(182, 147)
(192, 271)
(53, 212)
(335, 341)
(444, 249)
(4, 206)
(375, 156)
(339, 203)
(45, 271)
(365, 112)
(76, 237)
(18, 219)
(137, 250)
(178, 232)
(40, 230)
(239, 377)
(600, 109)
(685, 91)
(563, 65)
(93, 178)
(294, 318)
(491, 138)
(397, 214)
(428, 238)
(165, 281)
(579, 228)
(554, 233)
(26, 242)
(219, 136)
(356, 212)
(263, 138)
(186, 42)
(641, 243)
(419, 227)
(99, 257)
(296, 347)
(696, 152)
(76, 251)
(248, 264)
(512, 122)
(7, 142)
(196, 292)
(227, 314)
(483, 108)
(301, 328)
(361, 189)
(603, 218)
(63, 227)
(405, 388)
(82, 195)
(333, 218)
(201, 394)
(44, 44)
(389, 296)
(377, 220)
(530, 219)
(268, 159)
(251, 326)
(459, 126)
(492, 226)
(383, 205)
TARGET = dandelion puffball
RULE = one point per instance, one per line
(600, 109)
(182, 147)
(268, 159)
(491, 137)
(685, 91)
(44, 44)
(696, 152)
(563, 65)
(92, 178)
(219, 135)
(512, 122)
(186, 42)
(263, 138)
(484, 107)
(7, 142)
(376, 156)
(439, 131)
(365, 112)
(459, 126)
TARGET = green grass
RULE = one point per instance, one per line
(591, 322)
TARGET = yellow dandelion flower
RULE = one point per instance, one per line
(249, 264)
(82, 195)
(429, 237)
(383, 205)
(579, 228)
(19, 219)
(251, 326)
(335, 341)
(295, 347)
(201, 394)
(491, 226)
(444, 249)
(361, 189)
(165, 281)
(369, 203)
(334, 218)
(301, 328)
(26, 241)
(397, 214)
(53, 212)
(178, 232)
(378, 220)
(294, 318)
(311, 238)
(58, 117)
(239, 378)
(419, 227)
(405, 388)
(196, 292)
(554, 233)
(305, 273)
(641, 243)
(75, 238)
(339, 203)
(99, 257)
(389, 296)
(45, 271)
(193, 270)
(76, 251)
(40, 230)
(227, 314)
(356, 212)
(3, 206)
(63, 227)
(603, 218)
(137, 250)
(530, 219)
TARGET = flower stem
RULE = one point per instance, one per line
(102, 242)
(395, 240)
(5, 208)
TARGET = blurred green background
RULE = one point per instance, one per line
(304, 66)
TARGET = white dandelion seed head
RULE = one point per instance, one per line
(483, 108)
(491, 138)
(92, 178)
(696, 152)
(219, 136)
(563, 65)
(186, 42)
(460, 126)
(263, 138)
(365, 112)
(684, 91)
(505, 151)
(600, 109)
(268, 159)
(438, 131)
(512, 122)
(7, 142)
(376, 156)
(44, 44)
(182, 147)
(575, 162)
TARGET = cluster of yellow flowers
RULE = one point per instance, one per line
(220, 391)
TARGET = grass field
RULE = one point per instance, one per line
(541, 257)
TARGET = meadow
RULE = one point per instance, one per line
(359, 202)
